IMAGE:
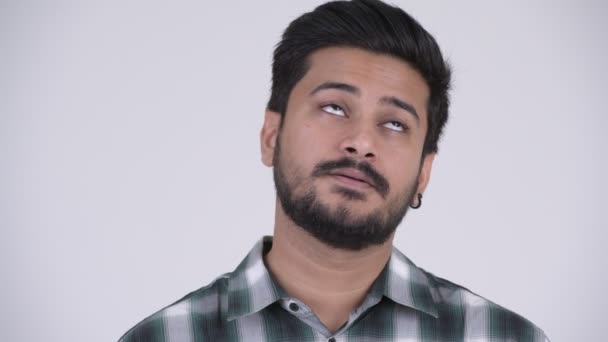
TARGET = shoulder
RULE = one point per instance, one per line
(178, 321)
(480, 317)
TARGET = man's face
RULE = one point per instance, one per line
(347, 156)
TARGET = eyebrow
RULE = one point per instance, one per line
(393, 101)
(339, 86)
(388, 100)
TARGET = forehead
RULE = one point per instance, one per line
(376, 75)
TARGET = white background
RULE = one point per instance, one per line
(130, 172)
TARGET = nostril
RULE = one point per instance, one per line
(351, 149)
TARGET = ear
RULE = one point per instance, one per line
(268, 136)
(425, 172)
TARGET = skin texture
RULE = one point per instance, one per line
(330, 124)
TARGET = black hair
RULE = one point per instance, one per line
(369, 25)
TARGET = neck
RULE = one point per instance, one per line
(332, 282)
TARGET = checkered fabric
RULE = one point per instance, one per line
(405, 303)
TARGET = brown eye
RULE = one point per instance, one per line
(395, 126)
(333, 109)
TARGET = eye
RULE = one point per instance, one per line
(395, 126)
(333, 109)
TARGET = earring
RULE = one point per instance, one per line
(419, 202)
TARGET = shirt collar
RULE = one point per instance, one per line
(407, 284)
(251, 287)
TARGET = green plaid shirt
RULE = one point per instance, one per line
(405, 303)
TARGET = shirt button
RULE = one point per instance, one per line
(331, 340)
(295, 307)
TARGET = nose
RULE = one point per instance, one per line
(360, 145)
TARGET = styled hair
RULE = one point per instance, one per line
(370, 25)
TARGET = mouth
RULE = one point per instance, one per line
(352, 177)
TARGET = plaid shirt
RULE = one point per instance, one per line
(405, 303)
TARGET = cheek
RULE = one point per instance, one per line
(403, 171)
(308, 143)
(298, 152)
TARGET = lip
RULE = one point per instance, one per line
(352, 177)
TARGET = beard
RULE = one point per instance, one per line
(340, 228)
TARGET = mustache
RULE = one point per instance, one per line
(379, 182)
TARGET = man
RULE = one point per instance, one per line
(359, 100)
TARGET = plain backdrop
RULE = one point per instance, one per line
(130, 170)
